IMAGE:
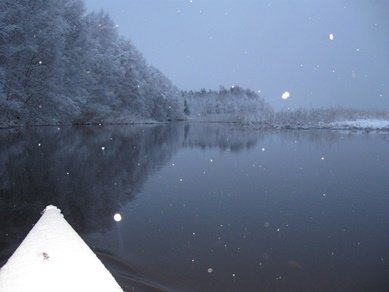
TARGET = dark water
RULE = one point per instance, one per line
(209, 207)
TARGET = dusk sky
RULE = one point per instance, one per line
(324, 53)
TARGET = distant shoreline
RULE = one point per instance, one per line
(363, 124)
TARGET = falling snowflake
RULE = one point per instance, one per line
(331, 36)
(285, 95)
(117, 217)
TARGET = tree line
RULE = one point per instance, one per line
(234, 104)
(59, 64)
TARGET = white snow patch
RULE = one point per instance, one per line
(363, 124)
(53, 257)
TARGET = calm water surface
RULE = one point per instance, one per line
(209, 207)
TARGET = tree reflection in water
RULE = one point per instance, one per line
(90, 173)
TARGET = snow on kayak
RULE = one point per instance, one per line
(53, 257)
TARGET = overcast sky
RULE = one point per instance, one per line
(271, 46)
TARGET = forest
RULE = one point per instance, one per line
(60, 65)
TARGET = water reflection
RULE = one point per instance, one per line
(207, 206)
(90, 172)
(232, 138)
(87, 172)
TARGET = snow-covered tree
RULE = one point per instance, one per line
(57, 64)
(235, 105)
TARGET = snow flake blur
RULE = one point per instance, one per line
(117, 217)
(285, 95)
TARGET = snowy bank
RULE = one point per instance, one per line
(366, 124)
(53, 257)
